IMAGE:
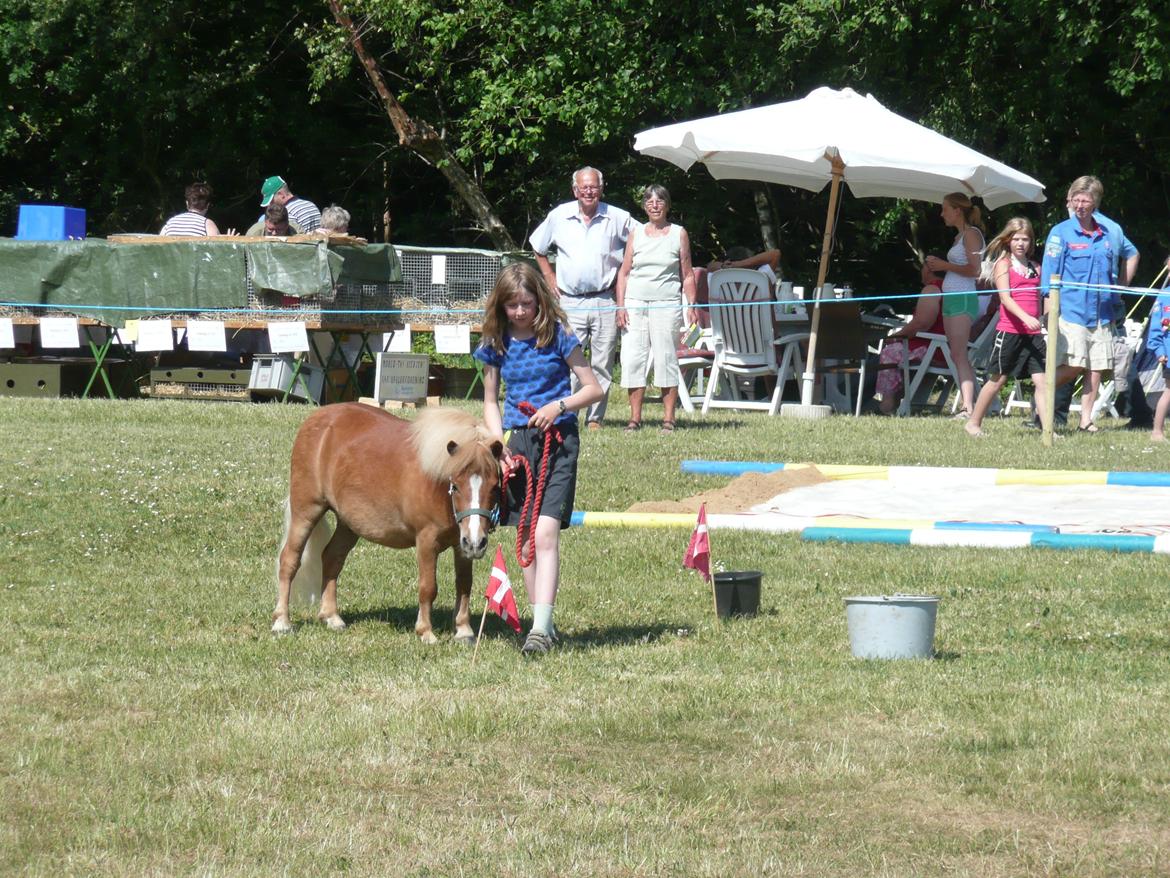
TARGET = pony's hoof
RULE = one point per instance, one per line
(282, 626)
(428, 637)
(335, 623)
(465, 639)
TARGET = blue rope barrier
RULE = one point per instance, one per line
(1141, 292)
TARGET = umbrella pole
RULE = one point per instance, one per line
(806, 392)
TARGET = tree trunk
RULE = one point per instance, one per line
(386, 197)
(766, 218)
(425, 142)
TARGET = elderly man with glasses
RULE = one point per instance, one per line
(590, 239)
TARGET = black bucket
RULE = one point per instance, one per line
(737, 593)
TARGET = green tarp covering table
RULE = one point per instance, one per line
(116, 282)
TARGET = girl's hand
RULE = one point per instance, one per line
(933, 263)
(1032, 323)
(508, 462)
(545, 415)
(623, 318)
(1162, 360)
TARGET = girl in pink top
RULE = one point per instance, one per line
(1019, 347)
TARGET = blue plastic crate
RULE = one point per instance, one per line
(48, 222)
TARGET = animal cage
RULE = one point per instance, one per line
(438, 284)
(444, 281)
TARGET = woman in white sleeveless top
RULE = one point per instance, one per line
(655, 270)
(960, 304)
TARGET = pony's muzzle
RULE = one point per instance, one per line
(473, 548)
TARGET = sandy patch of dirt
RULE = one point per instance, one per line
(739, 495)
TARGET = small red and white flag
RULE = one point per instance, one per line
(698, 556)
(500, 599)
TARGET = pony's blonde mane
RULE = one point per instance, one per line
(433, 429)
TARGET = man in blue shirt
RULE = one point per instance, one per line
(1086, 251)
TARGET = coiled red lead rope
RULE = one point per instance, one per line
(530, 511)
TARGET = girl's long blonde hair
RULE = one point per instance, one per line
(1000, 245)
(513, 279)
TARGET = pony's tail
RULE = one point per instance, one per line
(306, 585)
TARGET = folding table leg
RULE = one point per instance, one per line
(99, 358)
(478, 379)
(297, 376)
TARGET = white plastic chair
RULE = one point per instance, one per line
(930, 367)
(694, 368)
(745, 342)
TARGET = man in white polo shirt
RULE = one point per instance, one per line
(590, 237)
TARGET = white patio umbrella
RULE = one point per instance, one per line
(828, 137)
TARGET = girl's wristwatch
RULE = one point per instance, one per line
(561, 406)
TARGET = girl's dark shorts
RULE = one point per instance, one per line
(561, 486)
(1016, 355)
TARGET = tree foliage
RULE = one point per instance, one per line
(116, 106)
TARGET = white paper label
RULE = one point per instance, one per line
(206, 335)
(59, 332)
(397, 342)
(438, 268)
(7, 336)
(155, 335)
(288, 337)
(453, 338)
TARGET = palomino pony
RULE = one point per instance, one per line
(433, 484)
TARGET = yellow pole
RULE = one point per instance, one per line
(1153, 285)
(1049, 401)
(806, 391)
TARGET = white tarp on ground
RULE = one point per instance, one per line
(1071, 508)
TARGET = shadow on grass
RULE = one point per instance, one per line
(400, 617)
(443, 622)
(622, 635)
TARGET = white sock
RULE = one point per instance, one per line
(542, 618)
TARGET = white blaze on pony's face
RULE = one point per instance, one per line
(474, 500)
(475, 529)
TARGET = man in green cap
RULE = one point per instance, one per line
(302, 212)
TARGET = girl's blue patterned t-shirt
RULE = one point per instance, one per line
(532, 374)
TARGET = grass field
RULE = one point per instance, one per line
(153, 725)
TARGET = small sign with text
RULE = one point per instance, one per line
(401, 377)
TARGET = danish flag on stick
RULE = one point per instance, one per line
(698, 556)
(500, 599)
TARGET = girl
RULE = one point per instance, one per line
(1019, 347)
(525, 342)
(960, 304)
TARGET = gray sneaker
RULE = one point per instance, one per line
(536, 644)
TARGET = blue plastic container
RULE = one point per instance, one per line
(49, 222)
